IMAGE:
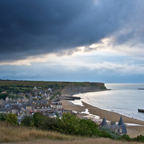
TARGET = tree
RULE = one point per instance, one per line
(38, 118)
(70, 124)
(27, 121)
(3, 117)
(12, 118)
(3, 96)
(1, 90)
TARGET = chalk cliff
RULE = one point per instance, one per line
(73, 88)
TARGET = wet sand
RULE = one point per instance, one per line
(133, 131)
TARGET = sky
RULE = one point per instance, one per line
(72, 40)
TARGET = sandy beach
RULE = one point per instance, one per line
(133, 131)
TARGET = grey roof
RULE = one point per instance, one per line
(121, 121)
(120, 125)
(4, 109)
(19, 119)
(104, 123)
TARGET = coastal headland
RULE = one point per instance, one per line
(134, 127)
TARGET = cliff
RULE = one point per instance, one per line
(73, 88)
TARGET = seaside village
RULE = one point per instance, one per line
(45, 102)
(39, 101)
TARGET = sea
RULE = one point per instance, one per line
(123, 98)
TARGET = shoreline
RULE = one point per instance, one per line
(112, 111)
(133, 130)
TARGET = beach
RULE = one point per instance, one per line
(134, 127)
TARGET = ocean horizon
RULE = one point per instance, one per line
(123, 98)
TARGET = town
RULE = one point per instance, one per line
(25, 101)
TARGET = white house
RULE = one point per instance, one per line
(57, 105)
(35, 88)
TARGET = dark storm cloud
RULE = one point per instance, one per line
(33, 27)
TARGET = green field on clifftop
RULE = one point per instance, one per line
(47, 84)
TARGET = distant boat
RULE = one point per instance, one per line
(140, 88)
(141, 110)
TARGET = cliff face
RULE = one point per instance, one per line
(87, 87)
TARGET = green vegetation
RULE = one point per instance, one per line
(68, 124)
(27, 121)
(11, 118)
(3, 117)
(3, 96)
(113, 134)
(7, 85)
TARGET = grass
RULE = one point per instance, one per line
(84, 141)
(24, 135)
(44, 84)
(12, 133)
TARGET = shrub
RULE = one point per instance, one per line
(113, 134)
(38, 118)
(125, 136)
(70, 124)
(67, 124)
(140, 138)
(48, 123)
(87, 127)
(27, 121)
(12, 118)
(3, 117)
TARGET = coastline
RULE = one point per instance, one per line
(133, 130)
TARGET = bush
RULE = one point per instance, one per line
(140, 138)
(48, 124)
(3, 96)
(67, 124)
(12, 118)
(38, 118)
(125, 137)
(87, 127)
(27, 121)
(113, 134)
(70, 124)
(3, 117)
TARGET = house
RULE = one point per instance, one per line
(21, 94)
(43, 93)
(1, 101)
(20, 118)
(49, 89)
(34, 97)
(7, 98)
(24, 99)
(4, 110)
(120, 128)
(14, 109)
(19, 100)
(35, 88)
(4, 92)
(28, 107)
(41, 107)
(57, 105)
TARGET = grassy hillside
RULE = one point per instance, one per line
(52, 84)
(23, 135)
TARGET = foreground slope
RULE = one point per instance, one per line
(22, 135)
